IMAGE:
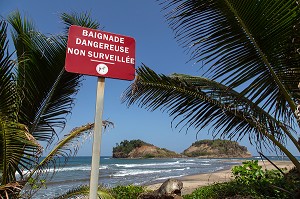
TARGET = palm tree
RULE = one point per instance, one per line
(250, 52)
(36, 94)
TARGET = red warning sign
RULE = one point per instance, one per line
(98, 53)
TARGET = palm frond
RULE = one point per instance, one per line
(107, 124)
(33, 63)
(20, 27)
(19, 150)
(83, 191)
(71, 142)
(59, 87)
(250, 44)
(199, 102)
(80, 19)
(7, 86)
(67, 146)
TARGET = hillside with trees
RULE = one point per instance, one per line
(141, 149)
(217, 149)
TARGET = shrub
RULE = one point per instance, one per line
(127, 192)
(261, 181)
(218, 191)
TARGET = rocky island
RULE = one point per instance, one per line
(141, 149)
(217, 149)
(201, 149)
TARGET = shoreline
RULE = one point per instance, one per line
(192, 182)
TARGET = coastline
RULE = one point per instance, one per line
(192, 182)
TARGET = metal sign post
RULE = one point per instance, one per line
(97, 139)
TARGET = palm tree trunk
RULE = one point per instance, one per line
(284, 150)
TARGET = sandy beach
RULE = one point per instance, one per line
(190, 183)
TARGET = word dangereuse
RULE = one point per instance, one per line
(103, 45)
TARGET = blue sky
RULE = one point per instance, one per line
(155, 47)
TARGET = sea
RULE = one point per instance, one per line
(113, 172)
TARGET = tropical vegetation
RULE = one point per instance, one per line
(118, 192)
(250, 54)
(251, 181)
(128, 192)
(36, 95)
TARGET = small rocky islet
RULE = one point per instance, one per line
(217, 148)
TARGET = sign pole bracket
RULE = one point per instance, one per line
(97, 139)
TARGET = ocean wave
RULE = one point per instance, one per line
(189, 163)
(182, 169)
(191, 160)
(148, 164)
(217, 169)
(133, 172)
(78, 168)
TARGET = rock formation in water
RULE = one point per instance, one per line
(217, 149)
(141, 149)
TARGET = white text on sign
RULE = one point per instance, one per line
(98, 55)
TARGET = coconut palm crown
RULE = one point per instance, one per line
(250, 52)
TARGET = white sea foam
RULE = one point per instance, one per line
(133, 172)
(205, 161)
(191, 160)
(136, 172)
(189, 163)
(78, 168)
(147, 165)
(186, 168)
